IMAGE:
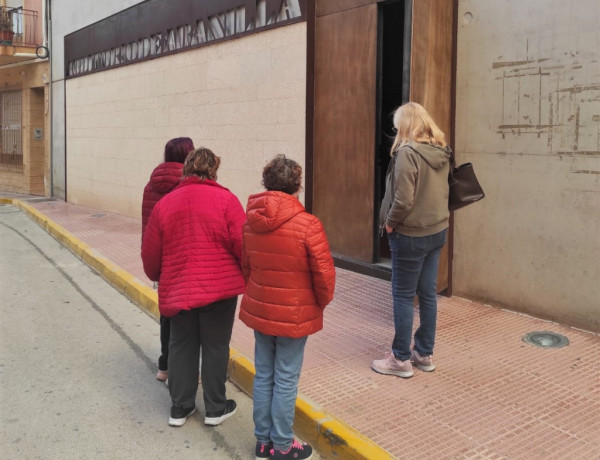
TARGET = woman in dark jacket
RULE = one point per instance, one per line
(415, 216)
(193, 247)
(164, 178)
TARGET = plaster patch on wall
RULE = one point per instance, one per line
(553, 99)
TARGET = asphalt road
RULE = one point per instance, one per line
(77, 365)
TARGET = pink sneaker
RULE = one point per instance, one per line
(425, 363)
(391, 366)
(296, 451)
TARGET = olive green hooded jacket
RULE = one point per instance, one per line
(416, 195)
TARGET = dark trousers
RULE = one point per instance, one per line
(208, 327)
(165, 334)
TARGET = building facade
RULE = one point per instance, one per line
(242, 97)
(24, 98)
(513, 84)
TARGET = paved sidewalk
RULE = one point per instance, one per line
(491, 396)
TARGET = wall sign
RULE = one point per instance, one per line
(155, 28)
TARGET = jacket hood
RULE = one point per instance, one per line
(267, 211)
(165, 177)
(436, 157)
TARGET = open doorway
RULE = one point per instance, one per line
(393, 89)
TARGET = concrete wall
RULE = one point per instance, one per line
(528, 117)
(243, 98)
(68, 16)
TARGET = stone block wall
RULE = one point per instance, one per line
(243, 98)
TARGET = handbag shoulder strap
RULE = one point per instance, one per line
(452, 158)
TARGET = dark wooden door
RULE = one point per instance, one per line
(345, 112)
(344, 128)
(431, 82)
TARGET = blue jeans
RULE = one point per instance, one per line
(278, 362)
(414, 272)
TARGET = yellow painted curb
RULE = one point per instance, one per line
(330, 437)
(241, 370)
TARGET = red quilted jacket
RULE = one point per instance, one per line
(287, 265)
(193, 246)
(163, 179)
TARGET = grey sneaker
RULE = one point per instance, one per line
(391, 366)
(425, 363)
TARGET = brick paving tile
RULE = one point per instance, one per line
(492, 396)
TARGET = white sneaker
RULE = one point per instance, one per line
(216, 418)
(179, 416)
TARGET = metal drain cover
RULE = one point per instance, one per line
(545, 339)
(98, 215)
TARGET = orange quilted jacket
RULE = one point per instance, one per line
(287, 266)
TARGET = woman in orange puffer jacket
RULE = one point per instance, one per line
(290, 279)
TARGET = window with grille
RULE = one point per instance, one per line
(11, 148)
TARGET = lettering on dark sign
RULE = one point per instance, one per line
(169, 27)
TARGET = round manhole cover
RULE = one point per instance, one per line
(545, 339)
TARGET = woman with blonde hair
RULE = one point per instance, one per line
(193, 246)
(414, 214)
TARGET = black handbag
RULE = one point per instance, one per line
(464, 186)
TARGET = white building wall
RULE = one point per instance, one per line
(68, 16)
(243, 98)
(528, 117)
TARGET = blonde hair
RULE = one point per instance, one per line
(203, 163)
(414, 124)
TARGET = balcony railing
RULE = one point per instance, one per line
(24, 24)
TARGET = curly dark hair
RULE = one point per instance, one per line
(282, 174)
(203, 163)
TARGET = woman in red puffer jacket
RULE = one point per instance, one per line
(290, 280)
(193, 246)
(164, 178)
